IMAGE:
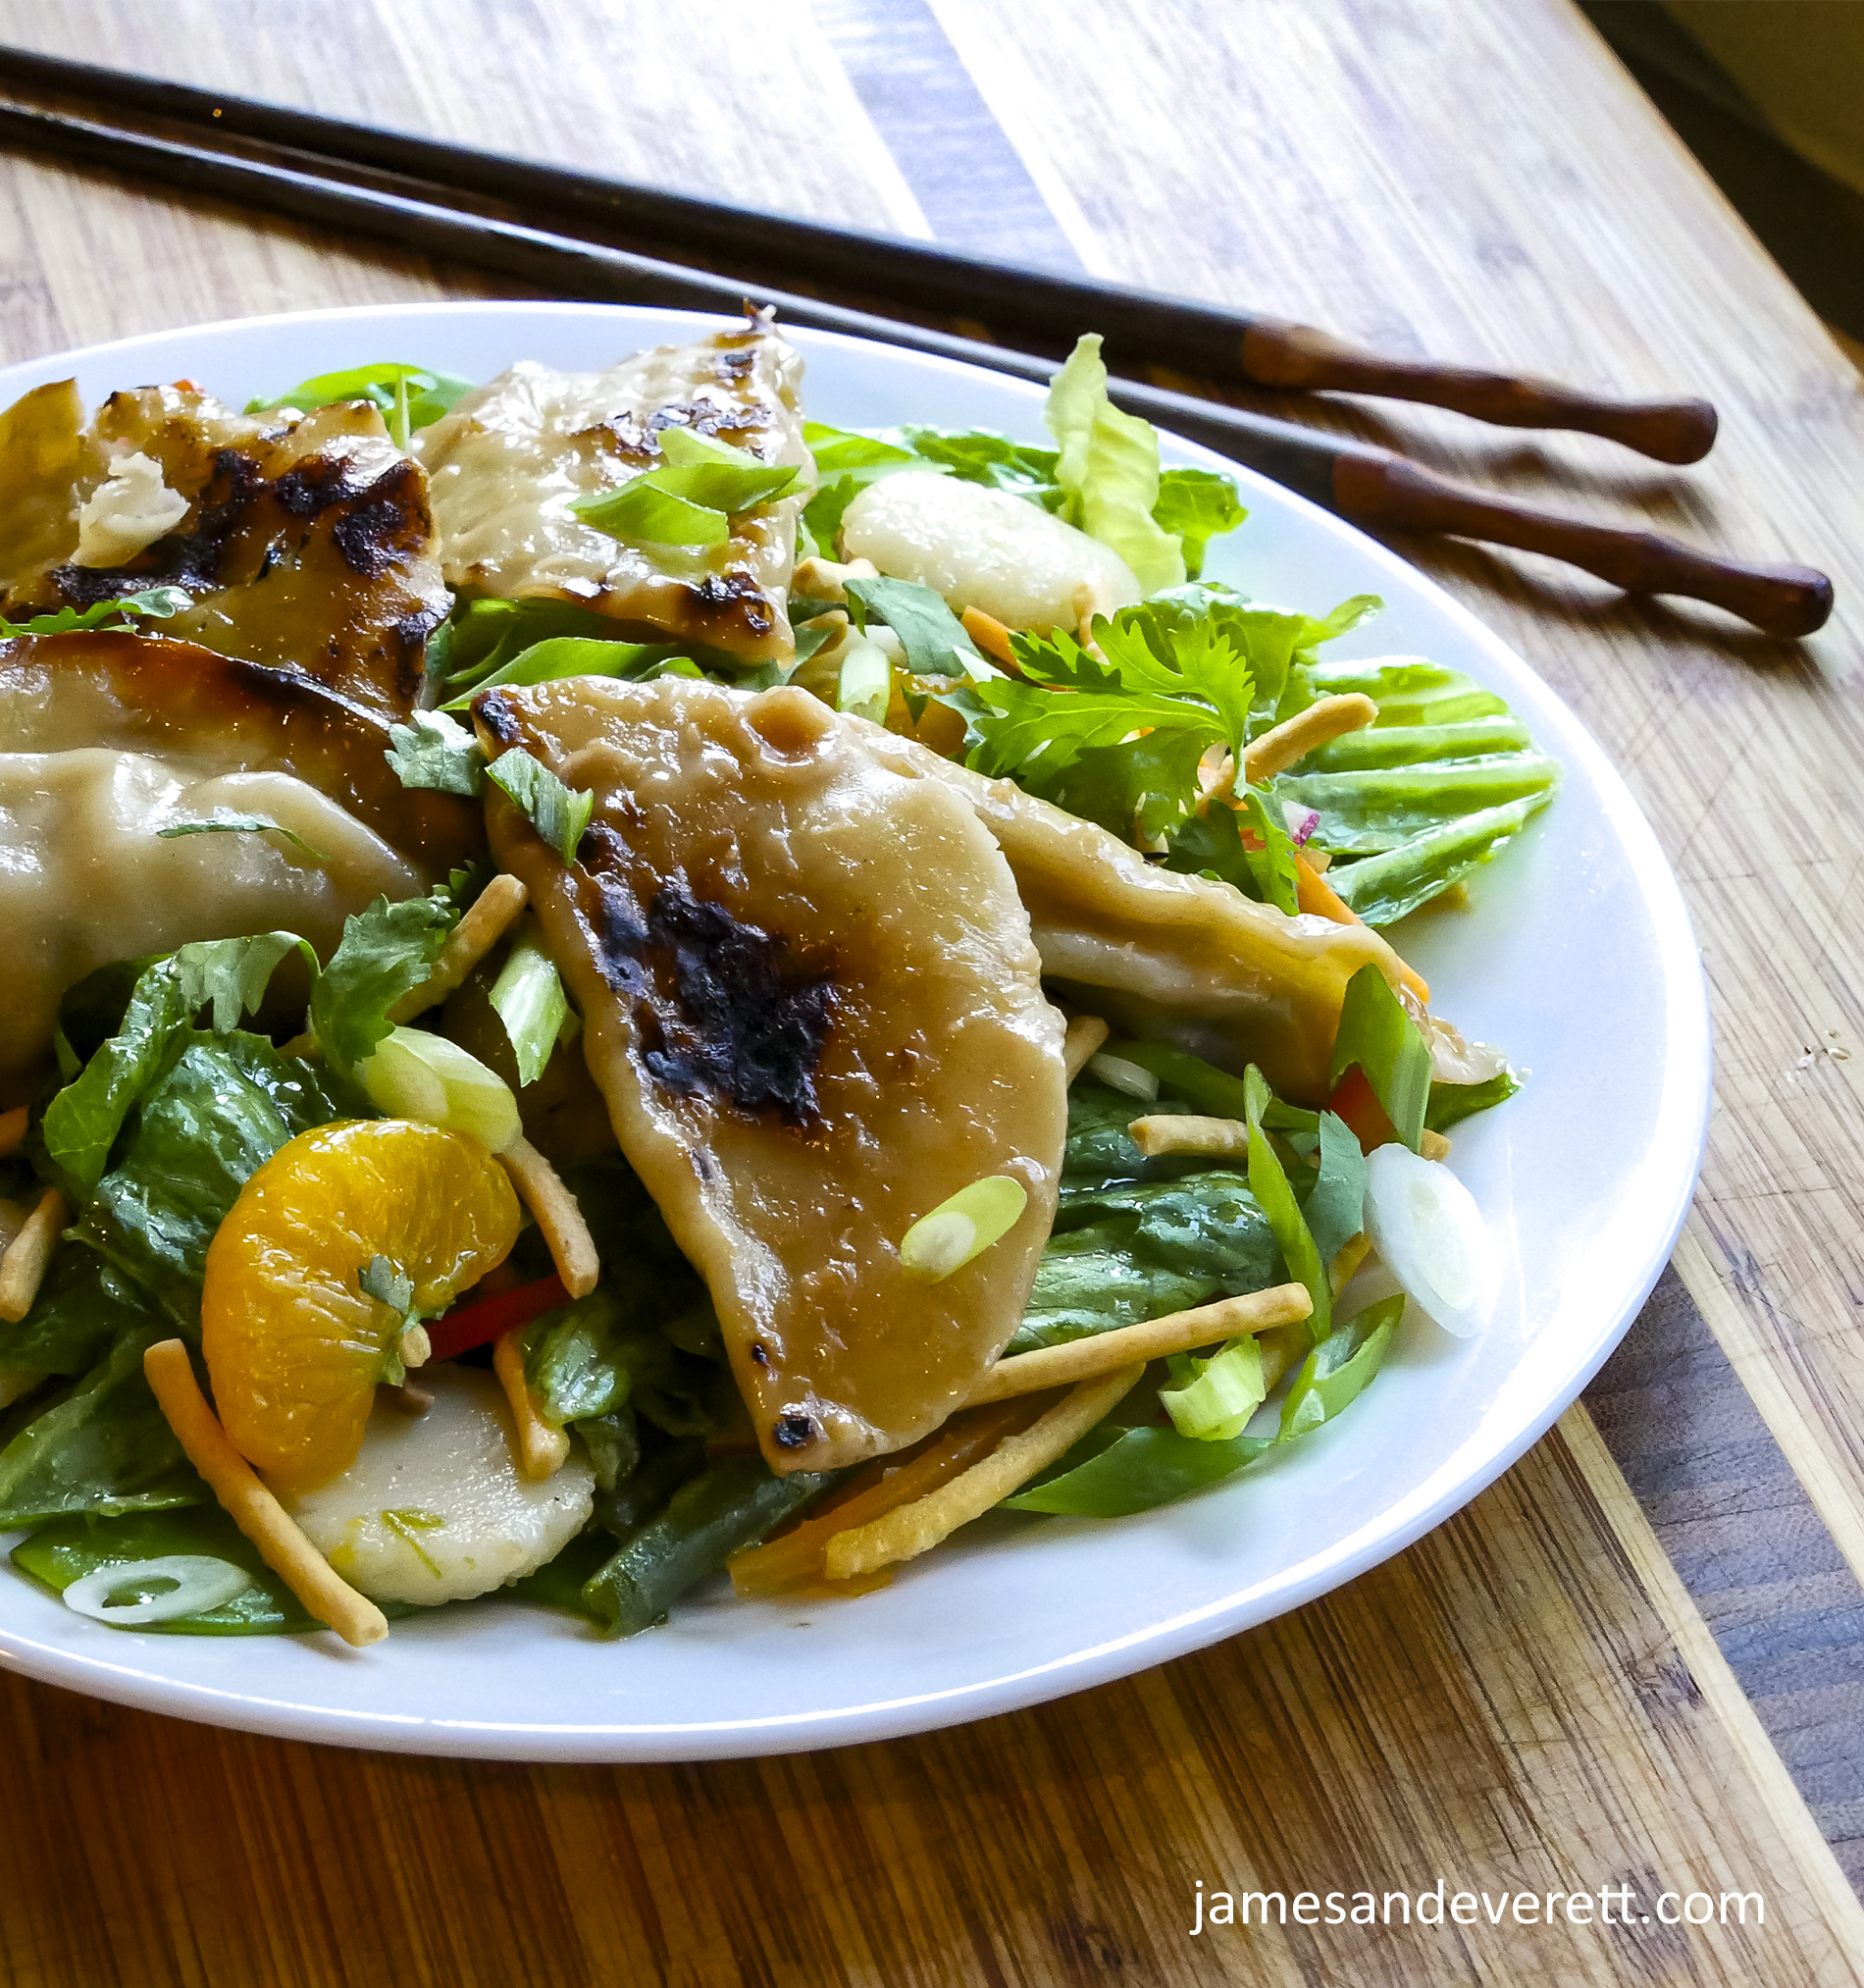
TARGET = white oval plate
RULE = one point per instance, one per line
(1576, 956)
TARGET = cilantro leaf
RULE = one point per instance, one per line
(932, 636)
(557, 813)
(240, 824)
(435, 750)
(379, 1279)
(385, 951)
(158, 602)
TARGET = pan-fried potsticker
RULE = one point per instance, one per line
(510, 459)
(109, 739)
(304, 541)
(812, 1006)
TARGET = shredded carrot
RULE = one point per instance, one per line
(990, 635)
(1313, 892)
(910, 1530)
(795, 1561)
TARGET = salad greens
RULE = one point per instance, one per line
(410, 397)
(169, 1103)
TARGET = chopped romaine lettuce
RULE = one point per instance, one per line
(102, 1446)
(1108, 466)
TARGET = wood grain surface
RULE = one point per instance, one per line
(1532, 1698)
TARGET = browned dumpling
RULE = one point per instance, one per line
(814, 1008)
(509, 460)
(1162, 954)
(305, 541)
(106, 739)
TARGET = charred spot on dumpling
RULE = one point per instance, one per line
(720, 1007)
(307, 543)
(707, 417)
(728, 604)
(794, 1430)
(495, 714)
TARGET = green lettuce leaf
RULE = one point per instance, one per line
(482, 635)
(82, 1121)
(565, 655)
(219, 1110)
(1108, 466)
(845, 463)
(83, 1307)
(1269, 1183)
(1335, 1206)
(410, 397)
(1414, 802)
(102, 1446)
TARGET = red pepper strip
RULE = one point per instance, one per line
(478, 1325)
(1355, 1101)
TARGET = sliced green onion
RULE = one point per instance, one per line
(416, 1074)
(641, 510)
(962, 1227)
(177, 1585)
(865, 685)
(1216, 1396)
(529, 1001)
(1118, 1074)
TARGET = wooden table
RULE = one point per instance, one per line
(1638, 1659)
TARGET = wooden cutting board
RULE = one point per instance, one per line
(1634, 1665)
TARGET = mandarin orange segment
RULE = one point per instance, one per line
(293, 1345)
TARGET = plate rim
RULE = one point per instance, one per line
(613, 1741)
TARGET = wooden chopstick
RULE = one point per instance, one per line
(1368, 485)
(1029, 308)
